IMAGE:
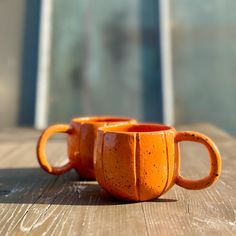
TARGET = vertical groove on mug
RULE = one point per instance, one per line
(167, 164)
(79, 150)
(137, 164)
(102, 164)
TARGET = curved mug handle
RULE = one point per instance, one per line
(41, 155)
(215, 161)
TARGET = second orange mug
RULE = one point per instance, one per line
(82, 133)
(141, 161)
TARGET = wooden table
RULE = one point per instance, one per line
(34, 202)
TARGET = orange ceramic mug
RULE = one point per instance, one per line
(140, 162)
(82, 133)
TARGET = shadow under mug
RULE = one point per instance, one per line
(140, 162)
(82, 133)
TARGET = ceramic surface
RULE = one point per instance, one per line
(82, 133)
(140, 162)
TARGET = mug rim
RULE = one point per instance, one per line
(152, 128)
(103, 119)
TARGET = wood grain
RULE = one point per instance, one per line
(34, 202)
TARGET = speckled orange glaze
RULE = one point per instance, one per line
(82, 133)
(140, 162)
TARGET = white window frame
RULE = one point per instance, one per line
(44, 62)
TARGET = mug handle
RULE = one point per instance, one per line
(41, 155)
(215, 161)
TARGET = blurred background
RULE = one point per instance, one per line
(171, 61)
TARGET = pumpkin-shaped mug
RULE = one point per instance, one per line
(82, 133)
(140, 162)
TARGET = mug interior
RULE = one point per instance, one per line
(105, 119)
(137, 128)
